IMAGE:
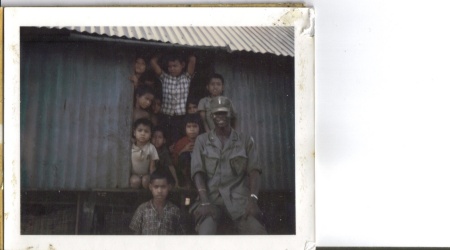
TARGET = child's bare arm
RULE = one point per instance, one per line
(191, 65)
(134, 80)
(205, 124)
(155, 66)
(152, 166)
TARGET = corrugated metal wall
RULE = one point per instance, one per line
(75, 115)
(262, 89)
(76, 103)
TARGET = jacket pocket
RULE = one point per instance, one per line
(211, 161)
(238, 164)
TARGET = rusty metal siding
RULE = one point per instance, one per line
(258, 39)
(262, 90)
(75, 116)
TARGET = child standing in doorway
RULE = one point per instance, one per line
(165, 161)
(143, 154)
(215, 87)
(182, 150)
(143, 100)
(139, 69)
(175, 82)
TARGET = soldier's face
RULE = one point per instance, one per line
(221, 119)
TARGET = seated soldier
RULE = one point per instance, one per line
(226, 173)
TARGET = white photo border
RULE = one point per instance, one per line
(14, 18)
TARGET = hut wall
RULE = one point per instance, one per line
(262, 90)
(76, 105)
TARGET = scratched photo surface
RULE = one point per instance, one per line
(71, 91)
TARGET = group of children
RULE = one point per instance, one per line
(166, 122)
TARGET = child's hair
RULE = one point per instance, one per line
(174, 57)
(193, 118)
(191, 100)
(160, 129)
(140, 56)
(143, 121)
(162, 173)
(142, 90)
(217, 76)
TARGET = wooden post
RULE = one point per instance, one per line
(77, 220)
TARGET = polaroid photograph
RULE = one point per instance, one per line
(128, 123)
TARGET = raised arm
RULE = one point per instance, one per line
(191, 65)
(155, 66)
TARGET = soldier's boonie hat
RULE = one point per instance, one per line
(220, 103)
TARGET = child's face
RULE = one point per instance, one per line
(175, 68)
(160, 189)
(156, 106)
(192, 130)
(191, 108)
(139, 66)
(158, 139)
(215, 87)
(144, 101)
(142, 133)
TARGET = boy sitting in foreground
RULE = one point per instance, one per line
(158, 216)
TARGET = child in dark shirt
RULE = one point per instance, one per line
(143, 99)
(191, 105)
(182, 150)
(156, 111)
(165, 161)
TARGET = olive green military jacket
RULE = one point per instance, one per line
(226, 169)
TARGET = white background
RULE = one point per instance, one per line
(382, 122)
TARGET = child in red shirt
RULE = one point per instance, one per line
(181, 154)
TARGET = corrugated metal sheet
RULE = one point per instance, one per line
(258, 39)
(262, 90)
(76, 104)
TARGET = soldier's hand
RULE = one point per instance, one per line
(252, 209)
(204, 211)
